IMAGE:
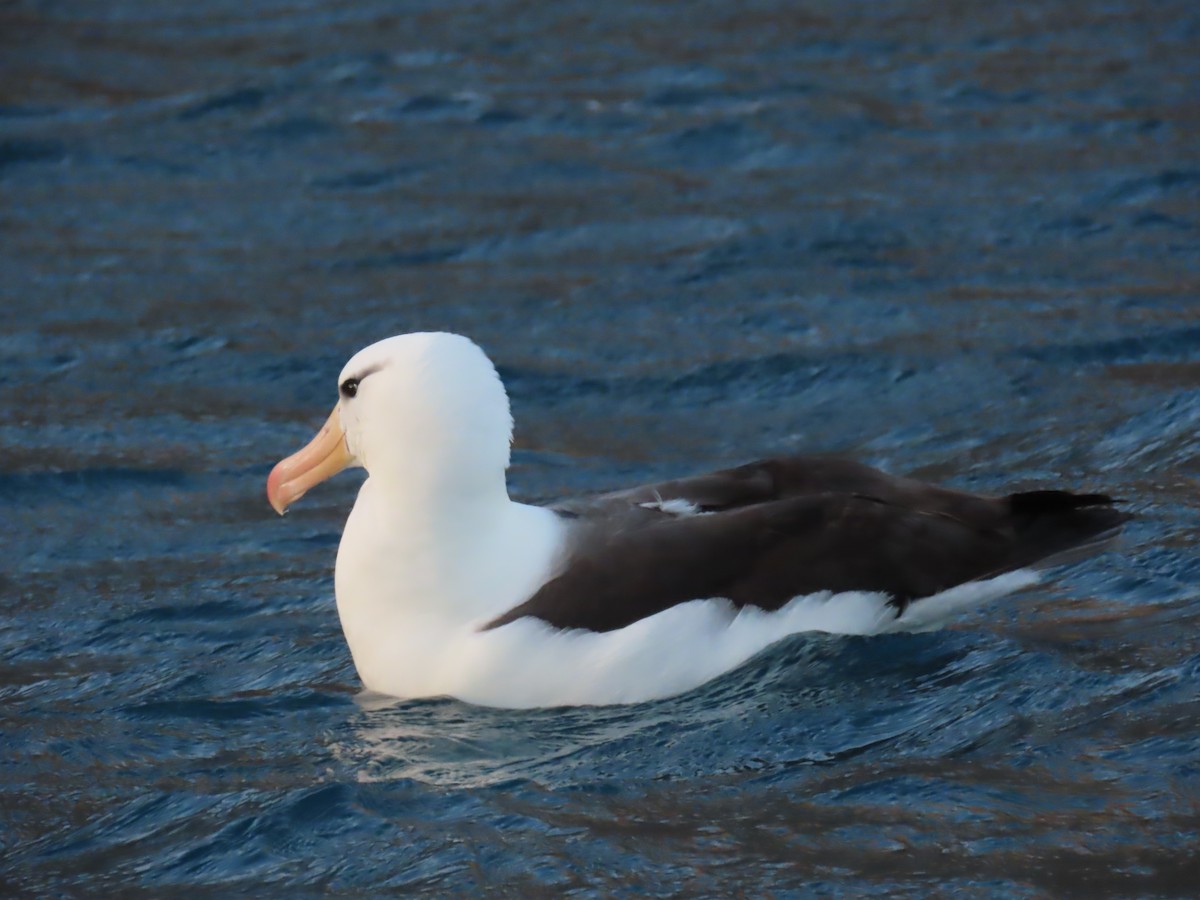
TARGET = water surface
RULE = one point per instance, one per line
(960, 242)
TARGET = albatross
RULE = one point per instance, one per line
(446, 586)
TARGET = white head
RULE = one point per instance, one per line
(425, 411)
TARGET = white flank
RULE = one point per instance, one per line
(529, 664)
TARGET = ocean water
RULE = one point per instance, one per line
(960, 241)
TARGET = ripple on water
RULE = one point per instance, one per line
(934, 242)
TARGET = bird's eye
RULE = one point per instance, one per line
(349, 387)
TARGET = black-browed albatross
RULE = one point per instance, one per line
(447, 587)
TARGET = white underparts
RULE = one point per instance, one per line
(527, 663)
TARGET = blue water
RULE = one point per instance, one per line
(960, 241)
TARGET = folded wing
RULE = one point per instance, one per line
(761, 534)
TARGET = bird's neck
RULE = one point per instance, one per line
(431, 499)
(455, 555)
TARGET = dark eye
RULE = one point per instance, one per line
(349, 387)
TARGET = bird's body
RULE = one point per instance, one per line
(446, 586)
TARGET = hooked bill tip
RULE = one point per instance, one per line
(275, 492)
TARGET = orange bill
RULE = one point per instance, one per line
(324, 457)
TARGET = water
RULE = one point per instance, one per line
(959, 241)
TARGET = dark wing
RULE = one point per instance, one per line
(788, 477)
(770, 534)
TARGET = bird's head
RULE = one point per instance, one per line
(426, 410)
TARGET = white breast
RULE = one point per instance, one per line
(410, 582)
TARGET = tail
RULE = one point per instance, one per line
(1039, 529)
